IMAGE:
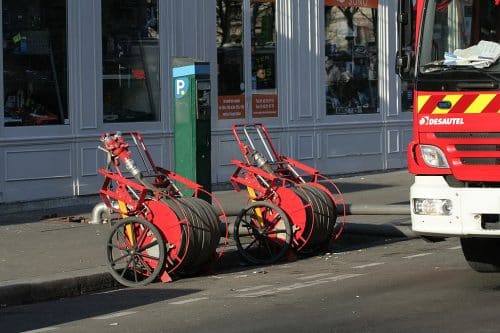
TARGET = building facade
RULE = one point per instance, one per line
(318, 73)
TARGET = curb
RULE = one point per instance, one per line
(77, 283)
(383, 230)
(58, 286)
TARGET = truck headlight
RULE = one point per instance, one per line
(432, 206)
(433, 156)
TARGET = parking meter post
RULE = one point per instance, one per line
(192, 121)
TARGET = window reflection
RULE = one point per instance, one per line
(131, 63)
(230, 47)
(231, 82)
(263, 46)
(35, 62)
(351, 59)
(264, 98)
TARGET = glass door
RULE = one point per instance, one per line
(263, 57)
(351, 62)
(35, 63)
(130, 61)
(246, 59)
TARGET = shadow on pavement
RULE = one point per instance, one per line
(70, 213)
(350, 187)
(232, 262)
(354, 242)
(96, 305)
(407, 202)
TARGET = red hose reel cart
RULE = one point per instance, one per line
(162, 232)
(292, 206)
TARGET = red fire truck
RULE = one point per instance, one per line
(450, 49)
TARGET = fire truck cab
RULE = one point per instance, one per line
(453, 62)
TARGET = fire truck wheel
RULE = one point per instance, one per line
(482, 254)
(262, 233)
(135, 251)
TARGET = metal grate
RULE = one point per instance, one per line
(473, 150)
(473, 147)
(480, 161)
(468, 135)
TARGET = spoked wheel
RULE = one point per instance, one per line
(262, 233)
(135, 252)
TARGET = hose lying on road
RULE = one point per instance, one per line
(351, 209)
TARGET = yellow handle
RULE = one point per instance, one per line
(128, 227)
(252, 195)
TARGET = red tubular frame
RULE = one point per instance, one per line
(283, 174)
(145, 202)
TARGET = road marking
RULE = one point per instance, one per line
(191, 300)
(253, 288)
(369, 265)
(45, 329)
(417, 255)
(115, 315)
(455, 248)
(299, 285)
(310, 277)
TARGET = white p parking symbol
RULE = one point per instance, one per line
(181, 86)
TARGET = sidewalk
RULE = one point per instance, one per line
(55, 253)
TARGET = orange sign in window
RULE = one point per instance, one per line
(264, 106)
(231, 107)
(352, 3)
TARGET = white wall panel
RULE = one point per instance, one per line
(91, 160)
(393, 141)
(277, 140)
(407, 136)
(350, 164)
(397, 141)
(305, 147)
(32, 174)
(227, 149)
(224, 149)
(353, 143)
(42, 163)
(40, 189)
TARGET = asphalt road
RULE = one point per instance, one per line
(364, 285)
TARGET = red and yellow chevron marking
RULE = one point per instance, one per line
(460, 103)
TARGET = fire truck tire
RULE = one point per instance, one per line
(482, 254)
(135, 252)
(262, 243)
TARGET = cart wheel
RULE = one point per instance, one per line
(135, 251)
(262, 233)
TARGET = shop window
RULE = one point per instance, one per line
(130, 60)
(231, 82)
(351, 57)
(263, 54)
(34, 62)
